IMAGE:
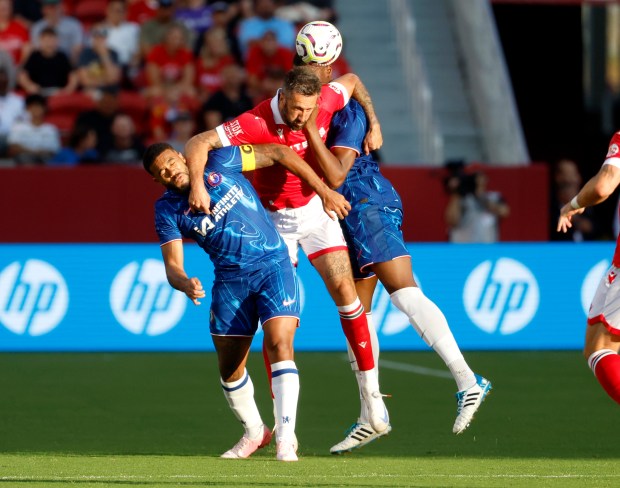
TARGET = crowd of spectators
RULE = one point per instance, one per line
(94, 81)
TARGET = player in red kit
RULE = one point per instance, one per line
(292, 205)
(603, 332)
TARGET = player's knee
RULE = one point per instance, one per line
(279, 347)
(280, 351)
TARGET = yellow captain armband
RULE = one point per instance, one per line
(248, 158)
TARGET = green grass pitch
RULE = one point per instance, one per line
(160, 420)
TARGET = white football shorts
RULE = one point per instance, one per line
(309, 227)
(605, 306)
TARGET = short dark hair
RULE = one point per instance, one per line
(36, 99)
(303, 81)
(152, 153)
(48, 31)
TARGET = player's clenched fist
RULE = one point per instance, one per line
(194, 290)
(199, 200)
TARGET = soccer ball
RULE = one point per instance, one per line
(318, 42)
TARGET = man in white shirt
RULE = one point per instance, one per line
(11, 107)
(33, 141)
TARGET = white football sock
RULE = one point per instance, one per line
(431, 325)
(285, 387)
(374, 340)
(368, 380)
(240, 396)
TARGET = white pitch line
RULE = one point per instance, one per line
(321, 477)
(412, 368)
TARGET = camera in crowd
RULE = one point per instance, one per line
(459, 180)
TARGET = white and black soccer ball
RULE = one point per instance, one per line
(318, 42)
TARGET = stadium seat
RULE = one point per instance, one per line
(63, 109)
(64, 123)
(89, 12)
(72, 103)
(135, 105)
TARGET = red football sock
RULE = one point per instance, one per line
(355, 327)
(606, 367)
(267, 367)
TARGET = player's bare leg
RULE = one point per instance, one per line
(232, 354)
(278, 347)
(601, 351)
(431, 325)
(335, 269)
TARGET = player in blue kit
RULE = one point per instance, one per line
(378, 251)
(254, 277)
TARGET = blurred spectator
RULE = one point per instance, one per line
(14, 37)
(123, 36)
(214, 55)
(100, 118)
(27, 11)
(69, 30)
(164, 110)
(11, 109)
(153, 31)
(274, 78)
(196, 16)
(227, 17)
(126, 147)
(7, 64)
(302, 12)
(473, 213)
(98, 66)
(48, 70)
(182, 129)
(171, 64)
(139, 11)
(266, 56)
(264, 20)
(228, 102)
(82, 148)
(33, 141)
(566, 184)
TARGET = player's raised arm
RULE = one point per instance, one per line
(268, 154)
(196, 155)
(172, 253)
(595, 191)
(357, 89)
(336, 163)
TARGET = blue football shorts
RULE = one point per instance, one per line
(373, 234)
(266, 291)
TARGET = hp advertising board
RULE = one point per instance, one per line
(116, 298)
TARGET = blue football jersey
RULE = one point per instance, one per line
(238, 233)
(364, 182)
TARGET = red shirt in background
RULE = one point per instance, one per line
(208, 77)
(13, 39)
(170, 64)
(258, 63)
(141, 11)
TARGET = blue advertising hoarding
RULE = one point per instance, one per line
(95, 297)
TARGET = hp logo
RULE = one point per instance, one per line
(142, 300)
(33, 297)
(501, 296)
